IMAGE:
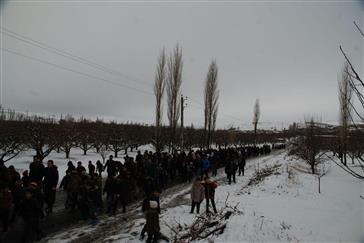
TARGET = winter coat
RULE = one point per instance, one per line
(242, 162)
(111, 186)
(152, 218)
(91, 169)
(205, 164)
(111, 167)
(209, 189)
(151, 169)
(99, 166)
(25, 180)
(74, 183)
(80, 169)
(18, 194)
(65, 182)
(230, 168)
(4, 176)
(30, 209)
(197, 191)
(5, 199)
(36, 171)
(122, 184)
(50, 177)
(145, 205)
(14, 176)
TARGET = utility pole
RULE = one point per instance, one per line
(183, 106)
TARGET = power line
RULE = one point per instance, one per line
(79, 59)
(75, 71)
(85, 61)
(68, 55)
(104, 80)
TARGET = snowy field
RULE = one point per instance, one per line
(284, 207)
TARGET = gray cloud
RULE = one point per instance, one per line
(285, 54)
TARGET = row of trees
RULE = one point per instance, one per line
(168, 76)
(42, 135)
(46, 135)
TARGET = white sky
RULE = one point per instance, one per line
(285, 53)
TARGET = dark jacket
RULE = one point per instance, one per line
(30, 210)
(5, 199)
(36, 171)
(209, 189)
(65, 182)
(230, 168)
(91, 169)
(74, 183)
(111, 186)
(50, 177)
(145, 205)
(110, 167)
(152, 224)
(80, 169)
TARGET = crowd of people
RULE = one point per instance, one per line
(32, 196)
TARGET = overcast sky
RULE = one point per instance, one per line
(284, 53)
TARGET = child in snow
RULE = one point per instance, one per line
(152, 225)
(210, 187)
(197, 195)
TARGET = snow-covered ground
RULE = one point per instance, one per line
(285, 206)
(23, 161)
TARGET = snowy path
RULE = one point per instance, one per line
(128, 226)
(284, 207)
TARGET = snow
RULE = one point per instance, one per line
(284, 207)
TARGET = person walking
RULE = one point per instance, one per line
(210, 187)
(110, 167)
(91, 168)
(50, 185)
(152, 222)
(99, 167)
(31, 211)
(230, 170)
(205, 166)
(5, 207)
(242, 165)
(111, 190)
(197, 195)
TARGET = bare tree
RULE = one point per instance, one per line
(104, 148)
(345, 98)
(356, 85)
(159, 86)
(308, 146)
(116, 139)
(256, 117)
(86, 135)
(211, 103)
(11, 140)
(67, 136)
(174, 81)
(40, 136)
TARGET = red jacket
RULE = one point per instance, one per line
(209, 189)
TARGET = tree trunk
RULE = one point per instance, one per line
(313, 169)
(255, 134)
(84, 148)
(67, 153)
